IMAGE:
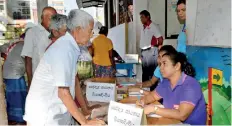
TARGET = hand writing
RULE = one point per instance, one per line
(140, 103)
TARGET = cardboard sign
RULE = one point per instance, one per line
(131, 58)
(124, 115)
(100, 92)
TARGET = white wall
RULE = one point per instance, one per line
(69, 5)
(138, 5)
(191, 14)
(209, 23)
(40, 6)
(117, 36)
(131, 38)
(157, 11)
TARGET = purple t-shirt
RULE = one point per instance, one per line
(187, 90)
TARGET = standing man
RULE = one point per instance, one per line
(150, 40)
(50, 100)
(36, 42)
(16, 88)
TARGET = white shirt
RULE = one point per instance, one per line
(14, 66)
(147, 34)
(35, 43)
(85, 55)
(56, 69)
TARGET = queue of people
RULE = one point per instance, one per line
(58, 57)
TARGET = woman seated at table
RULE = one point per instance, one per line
(157, 75)
(104, 65)
(182, 96)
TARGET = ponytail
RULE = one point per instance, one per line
(186, 67)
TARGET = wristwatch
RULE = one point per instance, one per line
(155, 109)
(141, 91)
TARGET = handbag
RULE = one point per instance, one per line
(85, 69)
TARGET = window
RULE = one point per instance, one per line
(22, 10)
(1, 7)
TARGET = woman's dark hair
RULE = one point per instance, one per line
(145, 13)
(186, 67)
(103, 30)
(181, 2)
(167, 49)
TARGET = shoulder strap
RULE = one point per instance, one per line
(183, 27)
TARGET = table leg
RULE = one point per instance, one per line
(129, 72)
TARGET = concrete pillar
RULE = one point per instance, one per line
(117, 11)
(40, 5)
(108, 7)
(106, 13)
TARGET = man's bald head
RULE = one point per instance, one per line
(47, 13)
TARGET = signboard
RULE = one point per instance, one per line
(131, 58)
(216, 76)
(100, 92)
(124, 115)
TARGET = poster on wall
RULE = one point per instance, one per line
(172, 24)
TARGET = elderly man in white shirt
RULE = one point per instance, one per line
(50, 100)
(150, 40)
(35, 43)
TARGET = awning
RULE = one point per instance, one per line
(90, 3)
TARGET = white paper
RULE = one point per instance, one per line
(100, 92)
(131, 58)
(124, 115)
(149, 115)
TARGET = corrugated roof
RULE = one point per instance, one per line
(90, 3)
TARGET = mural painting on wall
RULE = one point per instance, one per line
(203, 58)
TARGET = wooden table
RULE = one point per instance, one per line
(152, 120)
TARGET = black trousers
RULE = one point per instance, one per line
(149, 62)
